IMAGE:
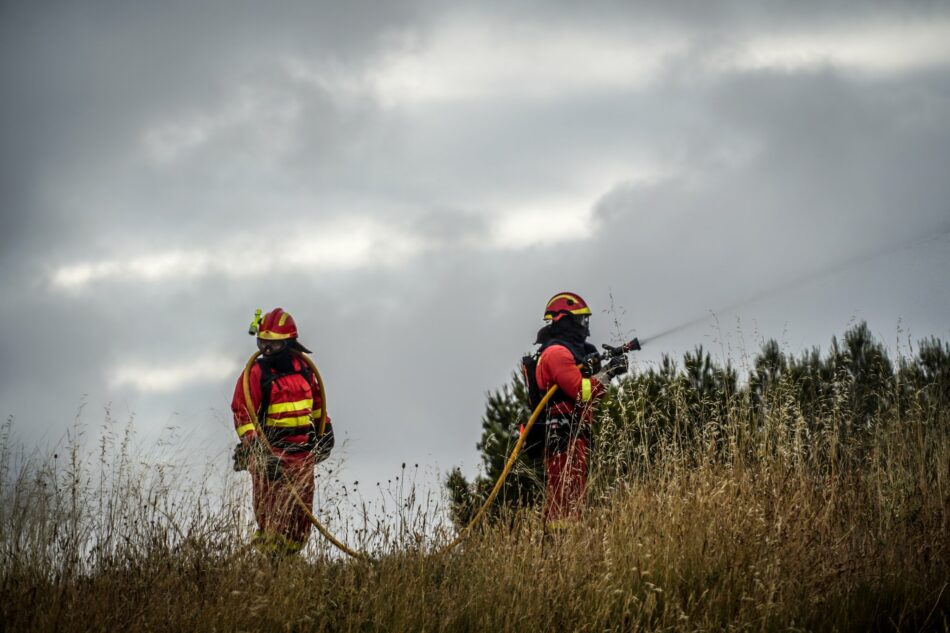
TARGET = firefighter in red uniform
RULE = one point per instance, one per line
(569, 361)
(286, 398)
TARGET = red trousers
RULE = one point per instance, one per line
(281, 521)
(566, 475)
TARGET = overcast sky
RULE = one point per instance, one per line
(413, 181)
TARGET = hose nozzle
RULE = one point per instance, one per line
(611, 351)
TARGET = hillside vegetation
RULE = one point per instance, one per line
(809, 494)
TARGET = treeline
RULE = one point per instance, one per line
(822, 409)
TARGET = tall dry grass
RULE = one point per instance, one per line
(749, 518)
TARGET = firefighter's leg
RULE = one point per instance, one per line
(575, 477)
(566, 475)
(297, 527)
(264, 503)
(282, 526)
(555, 458)
(553, 504)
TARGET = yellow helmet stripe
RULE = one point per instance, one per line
(570, 296)
(272, 336)
(566, 295)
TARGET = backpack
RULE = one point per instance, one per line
(534, 443)
(275, 435)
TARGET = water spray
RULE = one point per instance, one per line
(803, 280)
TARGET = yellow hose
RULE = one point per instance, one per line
(466, 531)
(252, 413)
(504, 474)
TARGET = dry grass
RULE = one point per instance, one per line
(752, 524)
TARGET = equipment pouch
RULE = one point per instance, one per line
(560, 432)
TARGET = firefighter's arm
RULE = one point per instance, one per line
(567, 376)
(242, 418)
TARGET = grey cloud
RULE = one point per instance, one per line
(722, 15)
(823, 148)
(842, 170)
(82, 81)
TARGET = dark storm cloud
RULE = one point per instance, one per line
(829, 163)
(81, 80)
(836, 169)
(719, 16)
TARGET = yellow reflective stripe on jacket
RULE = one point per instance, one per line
(585, 389)
(297, 420)
(244, 428)
(286, 407)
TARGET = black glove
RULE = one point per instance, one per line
(242, 453)
(271, 466)
(264, 459)
(591, 365)
(324, 444)
(617, 366)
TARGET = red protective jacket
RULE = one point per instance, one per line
(557, 365)
(294, 410)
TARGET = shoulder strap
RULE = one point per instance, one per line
(559, 396)
(529, 366)
(577, 352)
(268, 379)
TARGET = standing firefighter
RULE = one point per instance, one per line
(284, 394)
(567, 360)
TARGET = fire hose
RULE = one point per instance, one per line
(610, 352)
(465, 532)
(252, 412)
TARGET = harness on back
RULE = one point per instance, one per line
(278, 436)
(541, 433)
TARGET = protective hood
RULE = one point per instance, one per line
(569, 333)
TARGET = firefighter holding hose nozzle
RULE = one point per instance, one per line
(567, 360)
(283, 390)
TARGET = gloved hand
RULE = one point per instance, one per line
(324, 444)
(264, 460)
(241, 456)
(271, 466)
(617, 366)
(591, 365)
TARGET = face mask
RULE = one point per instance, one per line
(584, 322)
(271, 348)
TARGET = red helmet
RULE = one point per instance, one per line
(565, 303)
(277, 325)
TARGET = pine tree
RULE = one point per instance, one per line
(506, 409)
(848, 387)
